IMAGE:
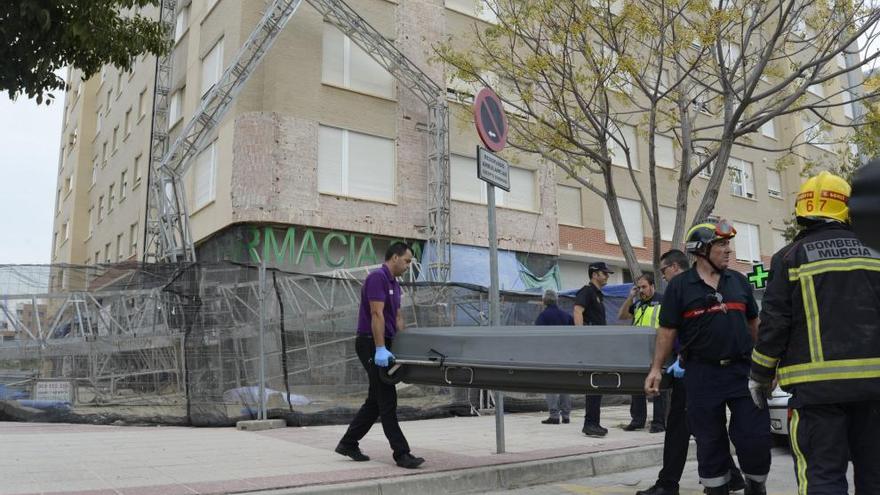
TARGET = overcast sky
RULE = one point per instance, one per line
(29, 142)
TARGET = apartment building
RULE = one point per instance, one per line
(322, 161)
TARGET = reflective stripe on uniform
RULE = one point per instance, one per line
(764, 360)
(844, 369)
(804, 274)
(837, 265)
(800, 467)
(811, 310)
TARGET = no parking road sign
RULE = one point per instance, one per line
(490, 119)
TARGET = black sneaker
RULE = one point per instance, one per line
(633, 427)
(551, 421)
(566, 420)
(595, 431)
(353, 452)
(658, 490)
(408, 461)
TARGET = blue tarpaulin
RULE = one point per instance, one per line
(470, 265)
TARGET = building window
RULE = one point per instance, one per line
(697, 158)
(667, 222)
(115, 138)
(65, 231)
(769, 129)
(815, 134)
(107, 253)
(127, 122)
(481, 9)
(119, 83)
(204, 173)
(91, 220)
(774, 183)
(99, 121)
(817, 90)
(664, 152)
(569, 207)
(742, 178)
(465, 186)
(355, 164)
(107, 100)
(619, 80)
(95, 166)
(104, 154)
(123, 185)
(627, 135)
(119, 247)
(68, 184)
(631, 213)
(142, 103)
(175, 108)
(181, 23)
(779, 241)
(111, 197)
(212, 67)
(848, 110)
(136, 169)
(133, 239)
(100, 208)
(746, 243)
(523, 191)
(344, 64)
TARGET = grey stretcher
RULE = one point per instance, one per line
(561, 359)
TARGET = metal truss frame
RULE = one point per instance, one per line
(168, 235)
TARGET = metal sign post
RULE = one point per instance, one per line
(492, 128)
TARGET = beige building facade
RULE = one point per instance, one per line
(322, 160)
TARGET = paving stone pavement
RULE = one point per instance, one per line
(127, 460)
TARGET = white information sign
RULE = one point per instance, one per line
(493, 169)
(53, 390)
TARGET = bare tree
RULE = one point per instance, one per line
(587, 79)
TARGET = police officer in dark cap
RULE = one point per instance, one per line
(713, 312)
(589, 309)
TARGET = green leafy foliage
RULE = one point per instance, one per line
(39, 37)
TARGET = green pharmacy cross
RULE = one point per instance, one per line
(758, 277)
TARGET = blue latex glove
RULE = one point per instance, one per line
(382, 356)
(675, 369)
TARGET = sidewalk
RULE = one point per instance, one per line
(460, 453)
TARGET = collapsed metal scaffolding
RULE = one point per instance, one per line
(178, 342)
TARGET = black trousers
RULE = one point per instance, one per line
(711, 391)
(824, 438)
(638, 409)
(381, 403)
(677, 439)
(593, 410)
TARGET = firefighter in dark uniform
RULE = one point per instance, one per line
(820, 337)
(714, 314)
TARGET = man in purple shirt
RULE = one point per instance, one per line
(378, 321)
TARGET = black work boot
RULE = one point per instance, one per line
(755, 487)
(736, 480)
(718, 490)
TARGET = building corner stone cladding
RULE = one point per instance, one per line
(275, 159)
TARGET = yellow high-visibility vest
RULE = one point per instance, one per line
(647, 315)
